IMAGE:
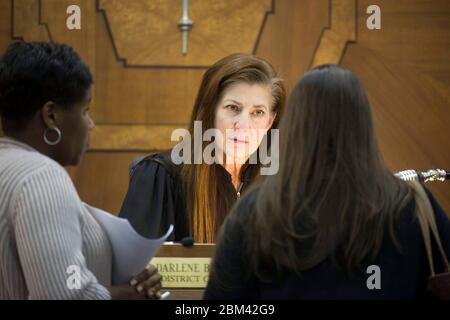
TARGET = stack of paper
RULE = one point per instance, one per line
(131, 251)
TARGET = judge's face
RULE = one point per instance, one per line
(243, 116)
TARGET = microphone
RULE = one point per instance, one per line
(187, 241)
(425, 176)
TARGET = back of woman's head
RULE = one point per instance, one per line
(329, 122)
(33, 73)
(333, 195)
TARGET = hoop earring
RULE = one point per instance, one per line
(52, 143)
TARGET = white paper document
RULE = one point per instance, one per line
(131, 251)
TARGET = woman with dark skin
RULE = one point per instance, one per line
(44, 103)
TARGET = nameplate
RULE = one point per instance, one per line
(183, 272)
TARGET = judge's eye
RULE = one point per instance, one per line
(259, 113)
(232, 107)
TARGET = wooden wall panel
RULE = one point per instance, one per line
(127, 95)
(292, 34)
(27, 21)
(132, 138)
(405, 69)
(414, 33)
(102, 178)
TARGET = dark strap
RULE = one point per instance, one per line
(428, 223)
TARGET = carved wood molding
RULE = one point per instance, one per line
(27, 24)
(26, 20)
(341, 31)
(144, 33)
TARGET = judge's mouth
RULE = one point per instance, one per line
(236, 140)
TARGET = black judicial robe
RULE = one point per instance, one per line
(155, 198)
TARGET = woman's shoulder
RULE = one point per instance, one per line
(25, 164)
(410, 209)
(409, 227)
(32, 177)
(158, 161)
(155, 198)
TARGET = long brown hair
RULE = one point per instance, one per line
(206, 205)
(333, 196)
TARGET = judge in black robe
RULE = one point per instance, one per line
(155, 197)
